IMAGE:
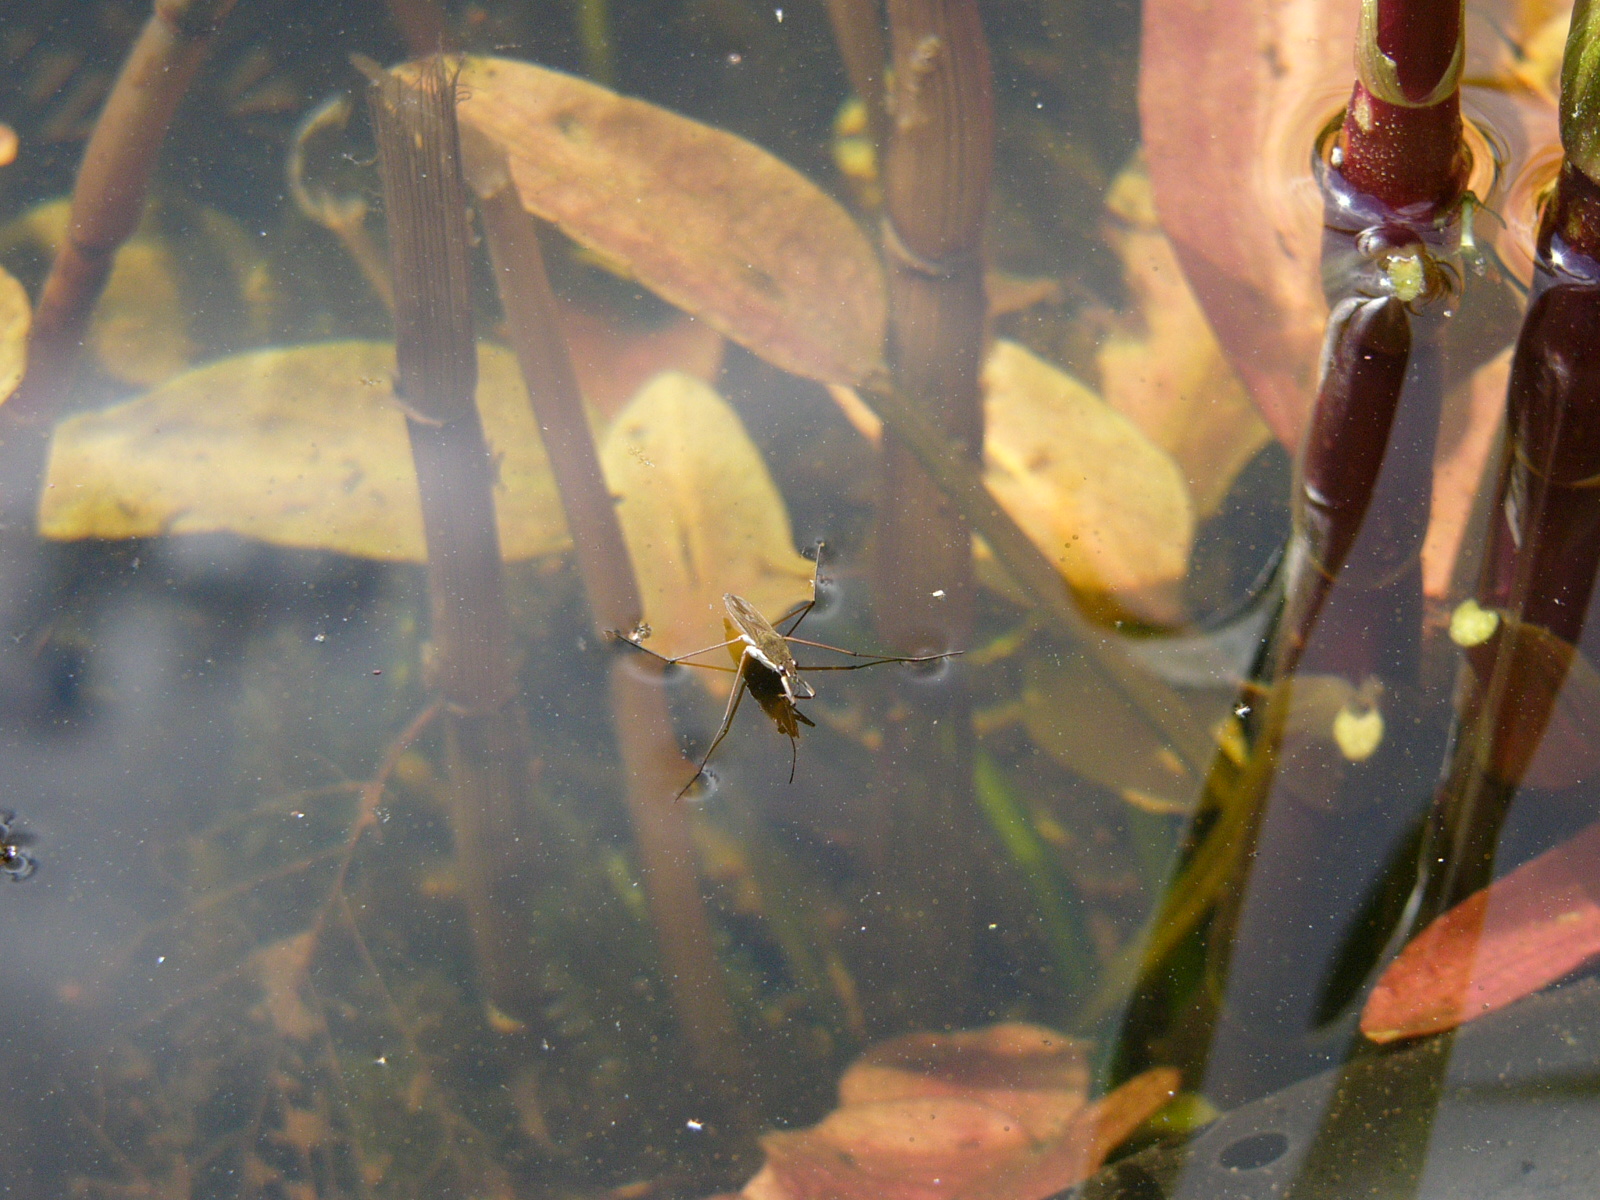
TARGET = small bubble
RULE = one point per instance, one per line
(321, 637)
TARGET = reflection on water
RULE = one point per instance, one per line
(259, 946)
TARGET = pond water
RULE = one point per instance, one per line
(310, 902)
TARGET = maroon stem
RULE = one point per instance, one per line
(1401, 141)
(107, 204)
(1544, 548)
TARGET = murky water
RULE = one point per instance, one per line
(304, 924)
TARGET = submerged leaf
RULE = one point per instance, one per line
(1108, 507)
(15, 320)
(709, 221)
(700, 513)
(1511, 939)
(187, 277)
(1029, 1072)
(1096, 732)
(1171, 378)
(303, 446)
(980, 1115)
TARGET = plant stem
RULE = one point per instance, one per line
(936, 184)
(1543, 552)
(107, 203)
(472, 666)
(652, 764)
(1401, 141)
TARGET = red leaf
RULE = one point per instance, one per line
(1523, 932)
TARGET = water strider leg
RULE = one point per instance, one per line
(679, 660)
(876, 658)
(739, 683)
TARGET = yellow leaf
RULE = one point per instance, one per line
(1108, 507)
(1171, 377)
(15, 319)
(303, 446)
(700, 513)
(711, 222)
(148, 324)
(1098, 734)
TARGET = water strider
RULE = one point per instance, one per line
(767, 668)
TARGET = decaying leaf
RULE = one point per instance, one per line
(700, 513)
(303, 446)
(1171, 378)
(982, 1115)
(1095, 732)
(711, 222)
(15, 320)
(1511, 939)
(1108, 507)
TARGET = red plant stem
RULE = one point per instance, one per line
(1544, 546)
(652, 765)
(1346, 445)
(1401, 141)
(108, 199)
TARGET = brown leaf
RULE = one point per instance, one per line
(148, 325)
(1170, 377)
(712, 223)
(1029, 1072)
(15, 320)
(1231, 95)
(700, 513)
(1524, 931)
(990, 1114)
(303, 446)
(1108, 507)
(613, 360)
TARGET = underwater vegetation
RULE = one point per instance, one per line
(1148, 388)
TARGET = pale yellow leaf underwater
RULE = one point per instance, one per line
(701, 514)
(1103, 502)
(15, 320)
(303, 447)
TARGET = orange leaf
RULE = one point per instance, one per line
(1511, 939)
(707, 220)
(989, 1114)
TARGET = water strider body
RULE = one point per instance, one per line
(766, 667)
